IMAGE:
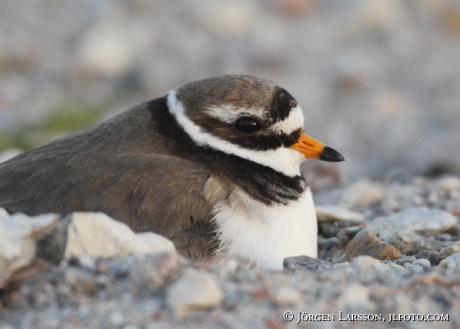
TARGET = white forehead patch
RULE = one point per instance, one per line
(291, 123)
(229, 114)
(284, 160)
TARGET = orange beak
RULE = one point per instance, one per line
(313, 149)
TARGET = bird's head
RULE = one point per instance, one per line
(248, 117)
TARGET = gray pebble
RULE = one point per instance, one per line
(422, 262)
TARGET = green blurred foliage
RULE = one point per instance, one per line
(66, 118)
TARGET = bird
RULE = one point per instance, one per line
(213, 166)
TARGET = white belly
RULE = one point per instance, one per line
(266, 234)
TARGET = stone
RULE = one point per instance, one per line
(447, 251)
(397, 268)
(368, 263)
(117, 319)
(367, 243)
(403, 230)
(328, 243)
(18, 243)
(355, 296)
(293, 264)
(195, 290)
(448, 183)
(334, 213)
(411, 244)
(405, 259)
(422, 262)
(425, 221)
(150, 273)
(433, 256)
(81, 280)
(362, 195)
(52, 246)
(287, 296)
(454, 259)
(384, 227)
(332, 228)
(98, 235)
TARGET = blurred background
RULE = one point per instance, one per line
(378, 80)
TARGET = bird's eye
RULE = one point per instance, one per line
(247, 125)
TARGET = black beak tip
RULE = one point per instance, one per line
(330, 155)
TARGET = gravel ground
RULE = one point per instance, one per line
(163, 291)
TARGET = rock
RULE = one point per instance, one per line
(422, 262)
(52, 246)
(401, 229)
(454, 259)
(353, 297)
(332, 228)
(362, 195)
(287, 296)
(413, 268)
(195, 290)
(18, 243)
(414, 220)
(448, 183)
(367, 263)
(293, 264)
(80, 280)
(150, 273)
(98, 235)
(425, 221)
(333, 213)
(432, 256)
(367, 243)
(397, 268)
(405, 259)
(120, 267)
(447, 251)
(411, 244)
(117, 319)
(328, 243)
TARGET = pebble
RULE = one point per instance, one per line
(194, 290)
(405, 259)
(422, 262)
(355, 297)
(362, 195)
(425, 221)
(150, 273)
(411, 244)
(333, 213)
(368, 263)
(432, 256)
(292, 264)
(80, 280)
(20, 234)
(287, 296)
(448, 183)
(117, 319)
(98, 235)
(447, 251)
(453, 258)
(367, 243)
(396, 267)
